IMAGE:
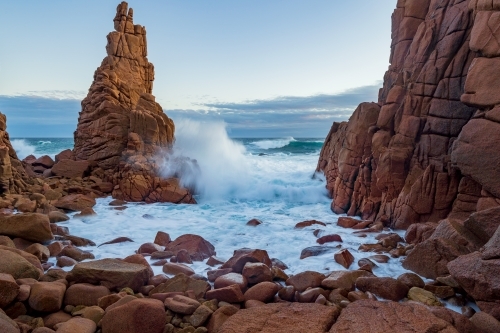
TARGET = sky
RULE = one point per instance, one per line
(267, 68)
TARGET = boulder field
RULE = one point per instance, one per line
(422, 158)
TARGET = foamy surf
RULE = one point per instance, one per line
(273, 144)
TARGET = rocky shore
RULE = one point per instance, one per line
(421, 159)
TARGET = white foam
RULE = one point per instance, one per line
(22, 148)
(273, 144)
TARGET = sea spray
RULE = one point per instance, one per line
(22, 148)
(219, 168)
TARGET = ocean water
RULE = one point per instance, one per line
(236, 180)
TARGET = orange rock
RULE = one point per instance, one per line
(229, 279)
(263, 292)
(70, 169)
(197, 247)
(84, 294)
(75, 202)
(174, 269)
(139, 315)
(304, 280)
(257, 272)
(15, 264)
(242, 256)
(77, 325)
(344, 258)
(304, 224)
(8, 289)
(47, 296)
(30, 226)
(229, 294)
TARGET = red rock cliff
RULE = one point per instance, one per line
(392, 161)
(121, 128)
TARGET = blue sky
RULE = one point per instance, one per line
(265, 67)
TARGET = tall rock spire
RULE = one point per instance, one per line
(121, 128)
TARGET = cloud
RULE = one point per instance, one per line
(55, 113)
(35, 116)
(309, 116)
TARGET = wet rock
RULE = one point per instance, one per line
(200, 316)
(314, 251)
(197, 247)
(254, 222)
(214, 261)
(229, 279)
(174, 269)
(183, 283)
(485, 323)
(347, 222)
(214, 274)
(328, 239)
(75, 253)
(56, 216)
(344, 258)
(242, 256)
(257, 272)
(17, 266)
(220, 316)
(387, 288)
(182, 304)
(162, 238)
(440, 291)
(149, 248)
(64, 261)
(309, 223)
(116, 241)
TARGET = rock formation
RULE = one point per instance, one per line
(425, 156)
(13, 178)
(121, 128)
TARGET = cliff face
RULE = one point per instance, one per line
(408, 165)
(121, 128)
(13, 178)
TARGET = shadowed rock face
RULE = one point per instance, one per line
(13, 178)
(418, 161)
(121, 129)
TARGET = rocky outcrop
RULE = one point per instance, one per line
(430, 156)
(13, 178)
(121, 128)
(399, 167)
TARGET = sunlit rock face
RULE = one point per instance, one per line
(121, 130)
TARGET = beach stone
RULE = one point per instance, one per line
(8, 289)
(423, 296)
(85, 294)
(108, 300)
(242, 256)
(328, 239)
(314, 251)
(56, 216)
(174, 269)
(149, 248)
(8, 325)
(24, 292)
(183, 283)
(140, 260)
(212, 275)
(75, 202)
(182, 304)
(440, 291)
(33, 227)
(363, 316)
(111, 273)
(309, 223)
(263, 292)
(54, 275)
(214, 261)
(304, 280)
(162, 254)
(75, 253)
(93, 313)
(6, 241)
(411, 280)
(384, 287)
(39, 251)
(197, 247)
(183, 257)
(70, 169)
(485, 323)
(344, 258)
(343, 279)
(282, 318)
(287, 293)
(64, 261)
(200, 316)
(47, 296)
(311, 295)
(347, 222)
(257, 272)
(230, 279)
(55, 318)
(140, 315)
(17, 266)
(229, 294)
(380, 258)
(278, 274)
(77, 325)
(220, 316)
